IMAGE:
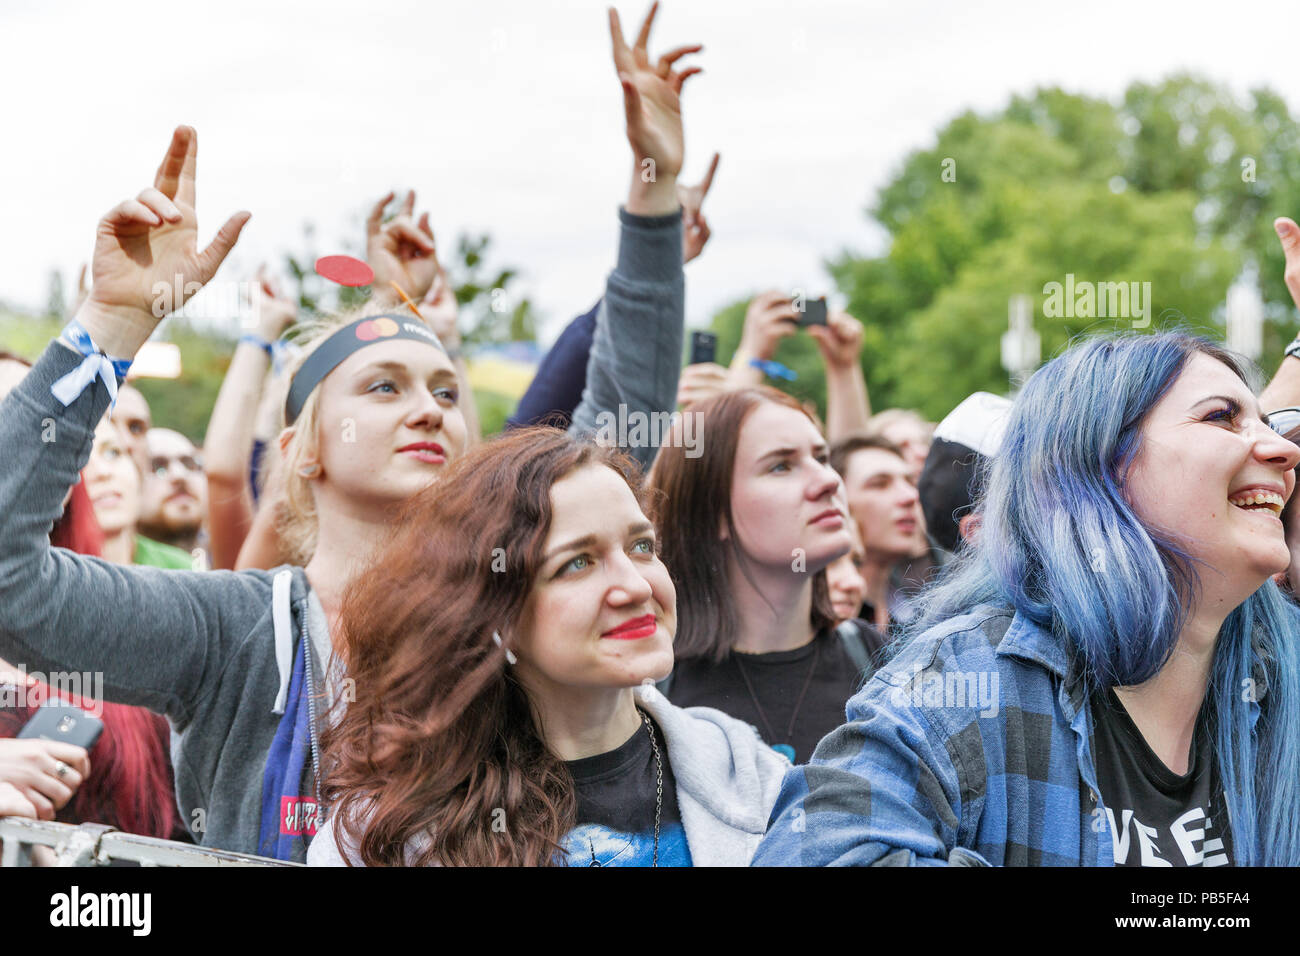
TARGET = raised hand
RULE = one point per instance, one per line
(771, 316)
(695, 228)
(701, 382)
(840, 341)
(274, 311)
(652, 106)
(142, 245)
(441, 311)
(1289, 233)
(83, 288)
(401, 250)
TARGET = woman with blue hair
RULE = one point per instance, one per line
(1107, 676)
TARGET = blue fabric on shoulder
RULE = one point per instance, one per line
(286, 815)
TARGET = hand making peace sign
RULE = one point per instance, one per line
(149, 240)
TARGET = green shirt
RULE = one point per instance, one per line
(159, 555)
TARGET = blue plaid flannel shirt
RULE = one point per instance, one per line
(973, 747)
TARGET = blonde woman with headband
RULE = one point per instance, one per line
(237, 661)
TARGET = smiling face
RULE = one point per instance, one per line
(882, 496)
(175, 491)
(1212, 475)
(602, 611)
(783, 492)
(112, 480)
(388, 421)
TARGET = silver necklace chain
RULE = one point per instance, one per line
(659, 786)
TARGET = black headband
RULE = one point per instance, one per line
(351, 338)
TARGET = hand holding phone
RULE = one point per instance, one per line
(60, 721)
(46, 772)
(704, 348)
(813, 312)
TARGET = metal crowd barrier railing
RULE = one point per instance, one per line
(93, 844)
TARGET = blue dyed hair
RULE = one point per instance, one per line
(1054, 507)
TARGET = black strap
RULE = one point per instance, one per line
(854, 646)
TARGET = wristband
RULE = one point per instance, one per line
(94, 364)
(1293, 349)
(258, 341)
(281, 352)
(774, 369)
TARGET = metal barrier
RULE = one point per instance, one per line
(93, 844)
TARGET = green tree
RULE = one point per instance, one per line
(1176, 184)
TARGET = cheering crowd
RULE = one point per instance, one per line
(1059, 630)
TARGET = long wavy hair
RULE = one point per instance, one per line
(693, 501)
(440, 757)
(1055, 503)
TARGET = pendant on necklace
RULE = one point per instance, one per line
(784, 750)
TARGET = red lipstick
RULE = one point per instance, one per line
(634, 630)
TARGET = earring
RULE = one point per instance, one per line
(510, 655)
(310, 471)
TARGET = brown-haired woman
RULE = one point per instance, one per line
(504, 660)
(749, 526)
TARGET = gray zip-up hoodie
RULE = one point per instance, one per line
(200, 647)
(727, 783)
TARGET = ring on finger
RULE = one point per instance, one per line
(61, 768)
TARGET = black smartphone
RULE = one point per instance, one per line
(59, 720)
(814, 312)
(704, 347)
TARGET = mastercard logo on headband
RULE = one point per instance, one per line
(380, 328)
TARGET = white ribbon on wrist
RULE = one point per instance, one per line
(95, 364)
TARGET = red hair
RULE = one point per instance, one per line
(77, 530)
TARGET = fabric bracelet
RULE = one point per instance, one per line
(281, 354)
(258, 341)
(94, 364)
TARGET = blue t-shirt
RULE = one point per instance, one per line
(616, 794)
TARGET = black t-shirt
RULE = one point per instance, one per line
(616, 794)
(794, 698)
(1157, 817)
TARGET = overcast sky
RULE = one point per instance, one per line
(506, 117)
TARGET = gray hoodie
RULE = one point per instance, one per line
(200, 647)
(727, 783)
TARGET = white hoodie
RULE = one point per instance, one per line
(727, 783)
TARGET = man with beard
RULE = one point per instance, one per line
(175, 494)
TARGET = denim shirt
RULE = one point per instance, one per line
(973, 747)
